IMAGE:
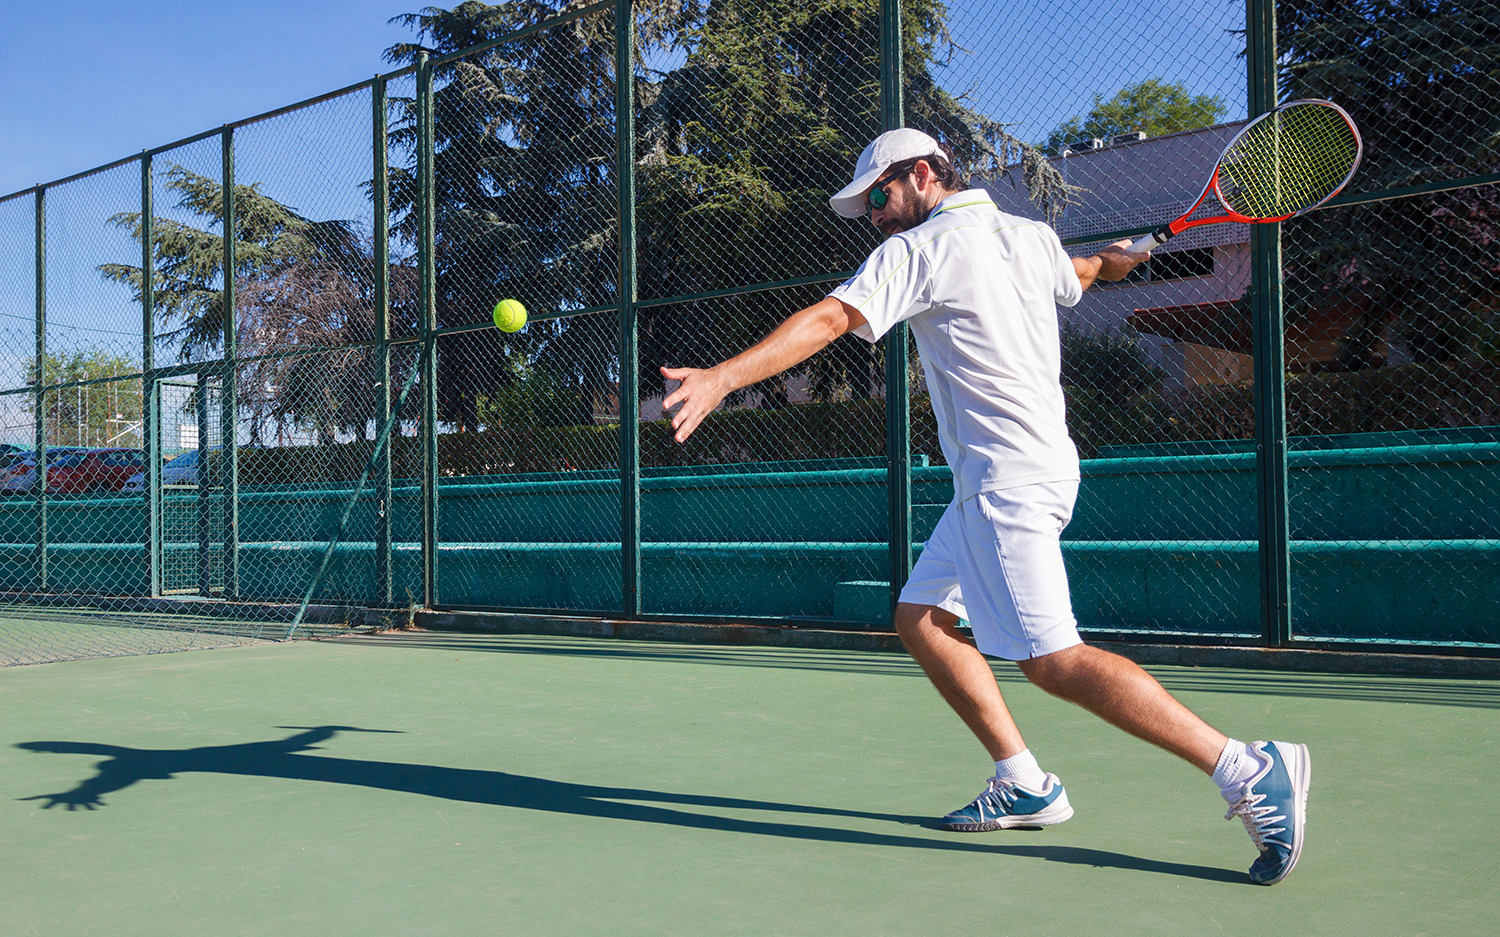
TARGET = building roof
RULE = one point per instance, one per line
(1226, 324)
(1134, 184)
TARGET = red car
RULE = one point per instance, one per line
(93, 470)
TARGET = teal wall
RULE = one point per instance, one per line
(1395, 543)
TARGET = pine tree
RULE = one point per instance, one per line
(761, 115)
(299, 283)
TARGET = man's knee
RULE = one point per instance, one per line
(1054, 672)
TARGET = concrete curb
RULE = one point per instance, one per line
(1287, 659)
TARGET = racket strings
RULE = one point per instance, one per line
(1296, 158)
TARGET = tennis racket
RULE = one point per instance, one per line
(1282, 164)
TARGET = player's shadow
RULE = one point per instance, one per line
(284, 758)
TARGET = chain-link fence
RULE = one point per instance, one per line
(1289, 435)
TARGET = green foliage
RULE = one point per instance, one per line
(1413, 397)
(271, 241)
(761, 115)
(1107, 360)
(103, 414)
(1154, 106)
(533, 397)
(1112, 388)
(1422, 80)
(524, 191)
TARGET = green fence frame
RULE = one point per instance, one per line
(1270, 435)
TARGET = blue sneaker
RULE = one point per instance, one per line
(1273, 807)
(1005, 805)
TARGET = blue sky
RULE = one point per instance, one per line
(86, 82)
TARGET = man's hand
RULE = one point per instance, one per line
(72, 800)
(699, 392)
(1116, 262)
(1112, 263)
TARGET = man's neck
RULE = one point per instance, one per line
(940, 195)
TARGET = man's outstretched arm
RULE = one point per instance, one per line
(803, 334)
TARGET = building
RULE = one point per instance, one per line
(1184, 301)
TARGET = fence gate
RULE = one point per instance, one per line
(191, 494)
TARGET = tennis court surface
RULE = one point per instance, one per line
(435, 784)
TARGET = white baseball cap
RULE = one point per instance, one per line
(889, 148)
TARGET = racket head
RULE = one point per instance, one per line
(1288, 161)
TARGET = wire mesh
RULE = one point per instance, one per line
(529, 513)
(1157, 374)
(104, 549)
(93, 522)
(304, 253)
(524, 147)
(1392, 310)
(93, 279)
(1155, 368)
(188, 255)
(776, 505)
(750, 118)
(402, 516)
(404, 317)
(1010, 85)
(183, 500)
(17, 297)
(1421, 79)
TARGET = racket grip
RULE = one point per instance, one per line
(1149, 242)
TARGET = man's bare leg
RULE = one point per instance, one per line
(1120, 692)
(961, 674)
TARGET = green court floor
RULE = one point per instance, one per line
(435, 784)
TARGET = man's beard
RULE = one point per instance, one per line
(913, 215)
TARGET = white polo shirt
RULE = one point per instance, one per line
(979, 288)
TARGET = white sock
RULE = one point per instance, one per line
(1237, 764)
(1022, 769)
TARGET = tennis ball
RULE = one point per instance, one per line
(509, 315)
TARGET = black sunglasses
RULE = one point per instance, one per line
(877, 198)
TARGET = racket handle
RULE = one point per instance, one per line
(1150, 242)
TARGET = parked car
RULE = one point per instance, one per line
(182, 470)
(18, 469)
(96, 470)
(17, 472)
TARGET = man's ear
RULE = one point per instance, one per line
(922, 174)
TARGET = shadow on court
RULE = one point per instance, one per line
(781, 658)
(1358, 688)
(285, 758)
(1428, 691)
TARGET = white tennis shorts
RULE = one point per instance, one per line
(995, 560)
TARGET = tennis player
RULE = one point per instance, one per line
(979, 289)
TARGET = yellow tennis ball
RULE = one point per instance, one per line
(509, 315)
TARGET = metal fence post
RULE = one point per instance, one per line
(150, 404)
(1267, 328)
(426, 260)
(40, 379)
(229, 412)
(897, 360)
(381, 365)
(629, 394)
(207, 475)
